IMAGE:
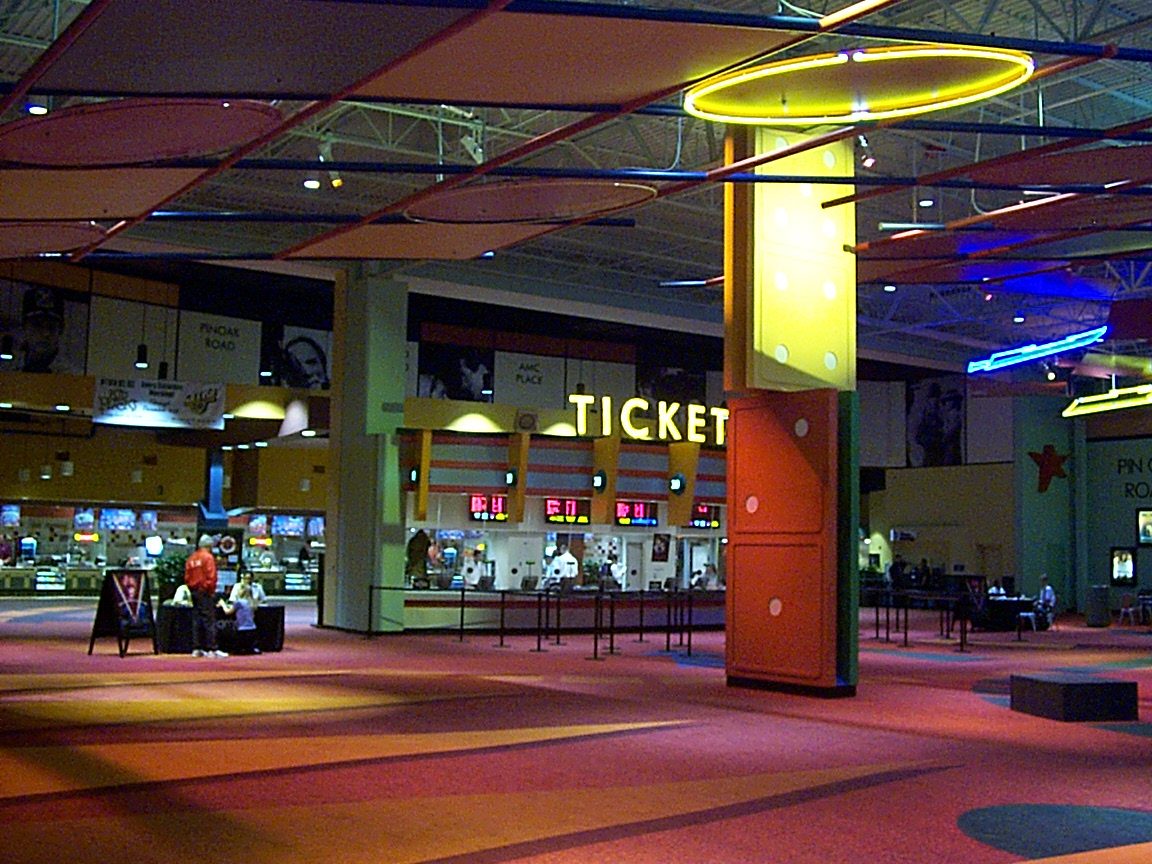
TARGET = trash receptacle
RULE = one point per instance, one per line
(1099, 608)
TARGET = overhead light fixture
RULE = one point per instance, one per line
(226, 447)
(927, 202)
(242, 446)
(7, 347)
(4, 406)
(37, 106)
(1033, 352)
(335, 179)
(311, 181)
(858, 85)
(308, 433)
(911, 226)
(261, 443)
(62, 408)
(1018, 318)
(867, 160)
(142, 348)
(473, 147)
(889, 289)
(1050, 371)
(1113, 400)
(227, 416)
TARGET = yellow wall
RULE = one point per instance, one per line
(103, 468)
(280, 472)
(961, 515)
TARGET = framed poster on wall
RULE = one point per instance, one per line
(1144, 527)
(1123, 566)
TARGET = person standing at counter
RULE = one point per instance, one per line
(200, 577)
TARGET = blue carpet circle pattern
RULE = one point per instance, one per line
(1048, 830)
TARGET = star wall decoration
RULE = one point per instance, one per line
(1050, 463)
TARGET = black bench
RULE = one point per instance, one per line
(1069, 696)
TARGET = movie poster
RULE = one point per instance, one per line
(936, 422)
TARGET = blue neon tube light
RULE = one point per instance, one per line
(1033, 352)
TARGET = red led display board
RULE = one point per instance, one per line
(568, 511)
(705, 516)
(636, 513)
(488, 508)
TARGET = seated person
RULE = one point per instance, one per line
(255, 589)
(182, 597)
(243, 607)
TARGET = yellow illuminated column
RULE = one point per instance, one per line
(792, 304)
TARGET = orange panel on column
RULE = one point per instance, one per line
(782, 518)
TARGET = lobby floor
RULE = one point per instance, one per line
(422, 748)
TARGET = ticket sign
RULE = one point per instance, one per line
(705, 516)
(569, 511)
(636, 513)
(488, 508)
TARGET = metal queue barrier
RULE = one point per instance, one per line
(679, 615)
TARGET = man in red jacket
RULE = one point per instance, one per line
(200, 577)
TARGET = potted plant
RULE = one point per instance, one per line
(169, 574)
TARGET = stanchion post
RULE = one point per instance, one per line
(689, 622)
(611, 623)
(668, 624)
(503, 595)
(640, 638)
(596, 610)
(462, 601)
(558, 642)
(539, 621)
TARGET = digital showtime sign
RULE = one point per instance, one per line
(568, 511)
(636, 513)
(488, 508)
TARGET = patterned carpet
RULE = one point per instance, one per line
(420, 748)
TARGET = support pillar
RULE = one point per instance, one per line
(790, 354)
(366, 534)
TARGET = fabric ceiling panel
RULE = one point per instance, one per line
(98, 193)
(1093, 213)
(1102, 165)
(274, 48)
(1105, 244)
(421, 241)
(554, 60)
(938, 244)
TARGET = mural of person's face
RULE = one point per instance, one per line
(41, 341)
(307, 366)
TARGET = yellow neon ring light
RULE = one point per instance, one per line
(859, 85)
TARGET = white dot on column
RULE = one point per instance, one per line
(781, 142)
(781, 354)
(830, 290)
(829, 159)
(806, 190)
(829, 228)
(781, 216)
(781, 280)
(752, 504)
(775, 607)
(801, 428)
(830, 361)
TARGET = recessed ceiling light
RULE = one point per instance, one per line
(261, 443)
(63, 407)
(926, 202)
(889, 288)
(5, 405)
(308, 433)
(227, 416)
(311, 183)
(241, 446)
(1018, 318)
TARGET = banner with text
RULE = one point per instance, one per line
(159, 404)
(215, 348)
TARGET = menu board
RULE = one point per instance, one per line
(568, 511)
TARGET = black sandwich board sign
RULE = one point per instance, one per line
(125, 610)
